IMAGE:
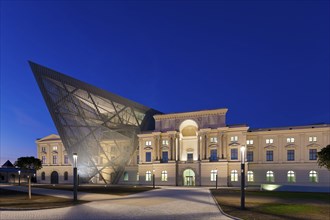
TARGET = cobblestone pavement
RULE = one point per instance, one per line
(164, 203)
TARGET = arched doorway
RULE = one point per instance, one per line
(54, 177)
(188, 177)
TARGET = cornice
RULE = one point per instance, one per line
(183, 115)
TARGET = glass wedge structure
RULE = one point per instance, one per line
(99, 126)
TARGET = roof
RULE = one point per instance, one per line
(7, 164)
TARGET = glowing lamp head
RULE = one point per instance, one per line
(243, 148)
(75, 158)
(19, 172)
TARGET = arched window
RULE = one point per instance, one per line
(164, 175)
(66, 175)
(125, 176)
(148, 176)
(291, 177)
(214, 174)
(43, 176)
(270, 176)
(234, 176)
(313, 177)
(250, 177)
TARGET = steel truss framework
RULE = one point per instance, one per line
(99, 126)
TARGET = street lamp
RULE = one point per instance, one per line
(19, 177)
(153, 178)
(243, 177)
(75, 186)
(216, 178)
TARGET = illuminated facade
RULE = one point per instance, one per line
(121, 141)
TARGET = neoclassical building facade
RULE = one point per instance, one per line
(195, 148)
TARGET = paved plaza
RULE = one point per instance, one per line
(164, 203)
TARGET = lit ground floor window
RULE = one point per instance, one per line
(313, 177)
(234, 176)
(250, 177)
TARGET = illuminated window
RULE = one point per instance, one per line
(43, 159)
(148, 176)
(312, 154)
(213, 139)
(214, 174)
(125, 176)
(66, 159)
(291, 177)
(269, 155)
(249, 142)
(234, 138)
(66, 175)
(313, 177)
(270, 176)
(165, 142)
(269, 141)
(290, 155)
(312, 139)
(234, 154)
(43, 176)
(164, 176)
(250, 177)
(234, 176)
(148, 143)
(249, 156)
(137, 176)
(290, 140)
(54, 148)
(54, 159)
(148, 156)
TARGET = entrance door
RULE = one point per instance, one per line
(188, 177)
(54, 178)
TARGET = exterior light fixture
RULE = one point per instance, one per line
(243, 149)
(75, 179)
(19, 177)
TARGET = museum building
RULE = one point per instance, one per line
(119, 141)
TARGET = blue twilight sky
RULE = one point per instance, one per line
(266, 61)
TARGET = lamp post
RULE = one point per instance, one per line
(75, 186)
(153, 178)
(216, 178)
(243, 177)
(19, 177)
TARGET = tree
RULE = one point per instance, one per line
(324, 157)
(28, 163)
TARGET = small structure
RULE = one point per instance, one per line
(11, 174)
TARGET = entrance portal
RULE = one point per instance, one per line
(54, 178)
(188, 177)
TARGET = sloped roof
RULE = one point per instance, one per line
(7, 164)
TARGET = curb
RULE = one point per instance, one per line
(222, 212)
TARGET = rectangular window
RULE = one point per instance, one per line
(290, 140)
(66, 159)
(234, 154)
(213, 155)
(165, 142)
(249, 142)
(54, 159)
(250, 177)
(54, 148)
(164, 176)
(290, 155)
(312, 154)
(148, 176)
(148, 143)
(269, 141)
(214, 174)
(269, 155)
(190, 157)
(234, 138)
(164, 157)
(214, 140)
(249, 156)
(43, 149)
(312, 139)
(148, 156)
(43, 159)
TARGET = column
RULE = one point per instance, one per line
(198, 147)
(219, 151)
(140, 150)
(160, 148)
(172, 147)
(156, 148)
(179, 150)
(201, 140)
(205, 146)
